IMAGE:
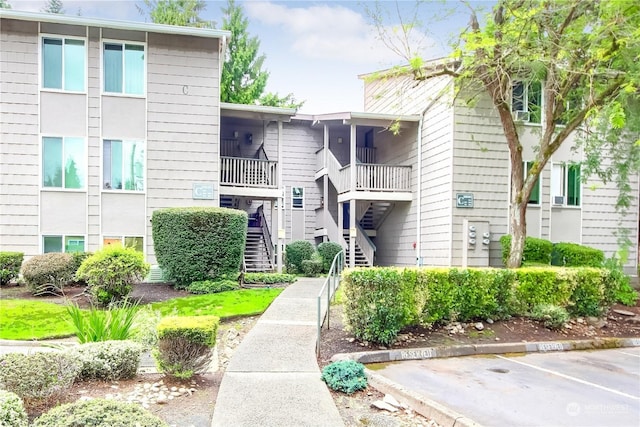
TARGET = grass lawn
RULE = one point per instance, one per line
(31, 320)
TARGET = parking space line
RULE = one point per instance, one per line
(568, 377)
(628, 354)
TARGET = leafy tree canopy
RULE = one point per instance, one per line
(176, 12)
(53, 6)
(4, 4)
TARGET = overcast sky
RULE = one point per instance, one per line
(314, 49)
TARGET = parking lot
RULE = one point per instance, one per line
(578, 388)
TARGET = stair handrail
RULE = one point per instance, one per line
(265, 232)
(330, 286)
(261, 154)
(333, 231)
(367, 247)
(334, 170)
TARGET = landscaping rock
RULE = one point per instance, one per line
(479, 326)
(624, 312)
(383, 406)
(392, 401)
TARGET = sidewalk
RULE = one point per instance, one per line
(273, 378)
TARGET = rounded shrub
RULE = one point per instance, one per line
(311, 267)
(328, 251)
(575, 255)
(108, 360)
(48, 273)
(98, 413)
(346, 376)
(200, 243)
(12, 413)
(296, 252)
(38, 376)
(535, 250)
(10, 263)
(551, 316)
(213, 286)
(111, 272)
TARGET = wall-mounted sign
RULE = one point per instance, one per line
(464, 200)
(202, 191)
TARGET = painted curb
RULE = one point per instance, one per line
(442, 414)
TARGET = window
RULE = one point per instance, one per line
(123, 68)
(297, 197)
(62, 244)
(526, 101)
(123, 165)
(63, 162)
(565, 185)
(63, 64)
(128, 242)
(534, 198)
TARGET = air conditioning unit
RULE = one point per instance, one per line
(521, 116)
(558, 200)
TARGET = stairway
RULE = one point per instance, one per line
(229, 201)
(361, 259)
(375, 215)
(256, 255)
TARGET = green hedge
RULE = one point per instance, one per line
(328, 251)
(574, 255)
(10, 263)
(194, 244)
(379, 302)
(535, 250)
(296, 252)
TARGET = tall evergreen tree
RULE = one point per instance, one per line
(243, 79)
(185, 13)
(4, 4)
(53, 6)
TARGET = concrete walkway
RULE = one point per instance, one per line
(273, 378)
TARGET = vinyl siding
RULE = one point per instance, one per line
(19, 144)
(182, 122)
(401, 94)
(94, 143)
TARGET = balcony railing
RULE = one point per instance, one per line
(373, 177)
(248, 172)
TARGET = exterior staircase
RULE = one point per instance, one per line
(375, 214)
(256, 253)
(361, 259)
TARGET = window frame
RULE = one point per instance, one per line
(301, 198)
(565, 168)
(144, 168)
(84, 157)
(526, 87)
(41, 73)
(123, 93)
(63, 238)
(122, 238)
(525, 170)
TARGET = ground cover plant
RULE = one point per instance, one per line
(32, 320)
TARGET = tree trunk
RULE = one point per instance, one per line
(518, 222)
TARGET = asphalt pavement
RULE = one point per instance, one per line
(578, 388)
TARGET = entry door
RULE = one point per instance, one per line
(297, 213)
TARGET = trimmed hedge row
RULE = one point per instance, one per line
(199, 243)
(535, 250)
(542, 251)
(379, 302)
(10, 263)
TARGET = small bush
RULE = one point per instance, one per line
(48, 273)
(311, 267)
(12, 413)
(38, 376)
(103, 325)
(200, 243)
(574, 255)
(296, 252)
(213, 286)
(184, 345)
(535, 250)
(328, 251)
(10, 263)
(108, 360)
(346, 376)
(78, 259)
(619, 285)
(144, 330)
(551, 316)
(111, 273)
(268, 278)
(98, 413)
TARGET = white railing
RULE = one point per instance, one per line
(319, 159)
(248, 172)
(366, 154)
(230, 147)
(333, 231)
(367, 247)
(375, 177)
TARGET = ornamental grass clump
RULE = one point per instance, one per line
(346, 376)
(95, 325)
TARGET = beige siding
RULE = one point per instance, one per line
(57, 108)
(401, 94)
(123, 214)
(94, 144)
(182, 121)
(19, 144)
(63, 212)
(123, 117)
(480, 167)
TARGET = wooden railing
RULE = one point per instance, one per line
(367, 247)
(229, 147)
(375, 177)
(266, 234)
(248, 172)
(366, 154)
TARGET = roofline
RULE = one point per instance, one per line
(260, 109)
(406, 69)
(353, 115)
(117, 25)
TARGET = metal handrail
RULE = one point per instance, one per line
(331, 284)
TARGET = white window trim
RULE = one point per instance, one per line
(62, 236)
(41, 164)
(41, 64)
(303, 198)
(123, 191)
(122, 94)
(525, 102)
(122, 237)
(565, 187)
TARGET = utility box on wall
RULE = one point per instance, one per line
(476, 237)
